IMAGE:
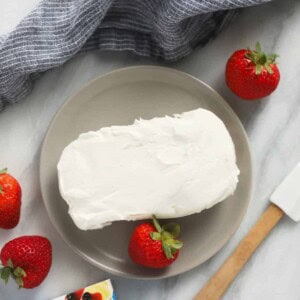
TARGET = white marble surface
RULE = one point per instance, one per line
(273, 126)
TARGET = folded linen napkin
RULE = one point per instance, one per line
(58, 29)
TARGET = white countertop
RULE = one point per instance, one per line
(273, 127)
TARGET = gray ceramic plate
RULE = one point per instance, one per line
(118, 98)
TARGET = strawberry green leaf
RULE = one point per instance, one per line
(5, 274)
(177, 244)
(169, 241)
(166, 235)
(23, 273)
(258, 47)
(3, 171)
(261, 60)
(19, 282)
(173, 228)
(19, 272)
(156, 224)
(248, 55)
(173, 250)
(272, 58)
(1, 190)
(269, 69)
(9, 271)
(258, 69)
(9, 263)
(167, 251)
(156, 236)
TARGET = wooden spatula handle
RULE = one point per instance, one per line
(221, 280)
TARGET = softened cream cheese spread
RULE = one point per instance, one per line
(170, 166)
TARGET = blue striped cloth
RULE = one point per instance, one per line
(58, 29)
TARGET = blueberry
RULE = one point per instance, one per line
(87, 296)
(70, 296)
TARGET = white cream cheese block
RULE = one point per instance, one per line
(169, 166)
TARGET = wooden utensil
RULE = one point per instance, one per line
(287, 200)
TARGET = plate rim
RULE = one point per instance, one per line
(219, 245)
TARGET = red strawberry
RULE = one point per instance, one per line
(27, 260)
(97, 296)
(75, 295)
(154, 246)
(10, 200)
(251, 74)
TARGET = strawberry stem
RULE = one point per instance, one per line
(167, 234)
(16, 273)
(260, 59)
